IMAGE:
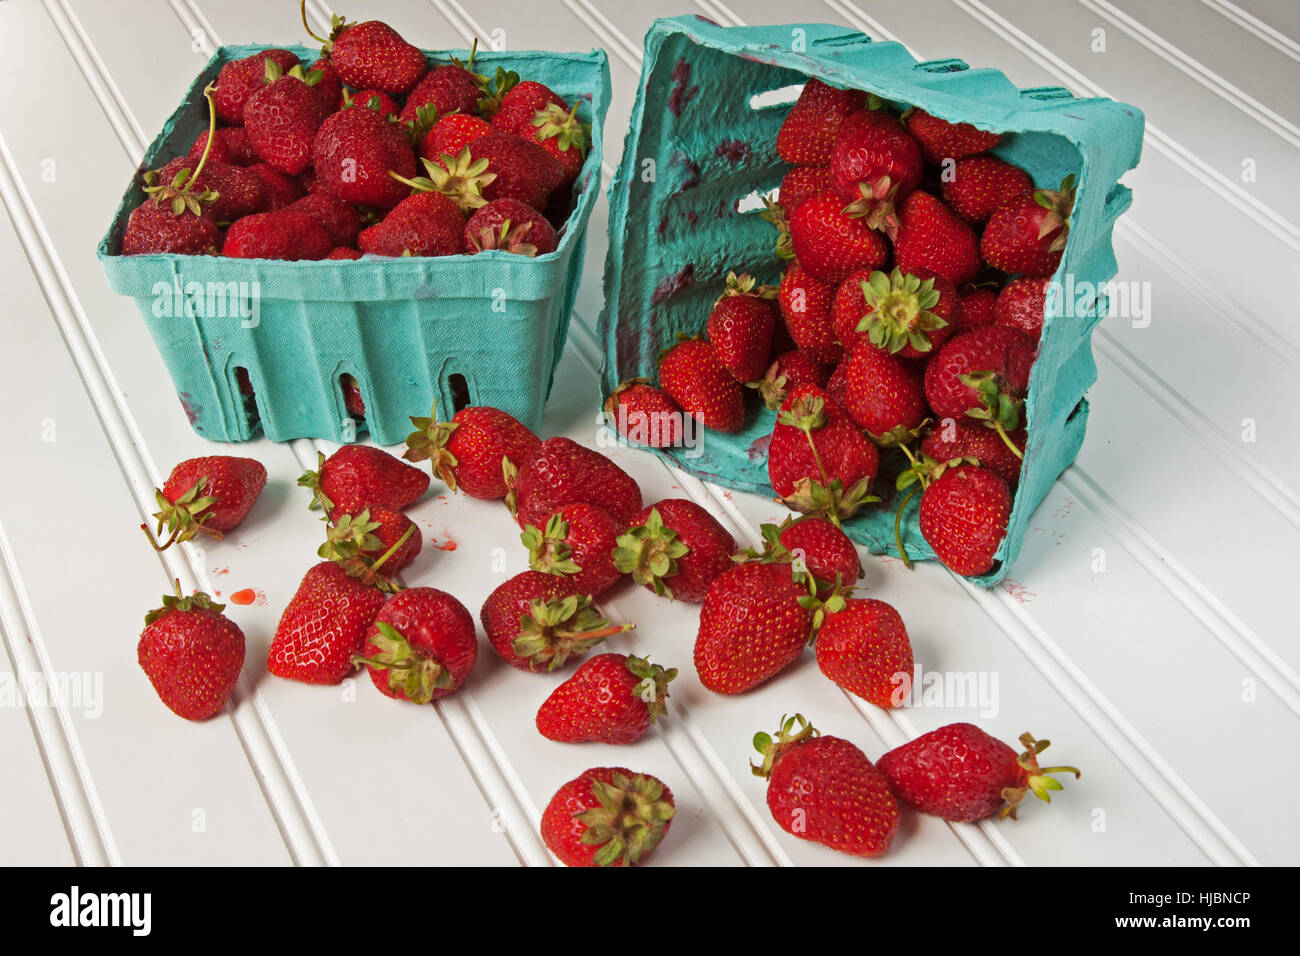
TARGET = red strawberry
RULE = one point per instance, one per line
(210, 495)
(884, 394)
(814, 122)
(818, 459)
(338, 218)
(537, 621)
(609, 816)
(831, 242)
(837, 386)
(357, 477)
(444, 90)
(353, 154)
(981, 374)
(800, 183)
(421, 645)
(740, 327)
(692, 375)
(359, 542)
(559, 471)
(1027, 235)
(578, 542)
(676, 549)
(790, 370)
(376, 100)
(329, 89)
(523, 169)
(1021, 305)
(645, 415)
(564, 137)
(352, 398)
(805, 303)
(963, 515)
(474, 451)
(900, 313)
(752, 626)
(192, 654)
(355, 405)
(373, 55)
(282, 119)
(953, 438)
(239, 192)
(283, 234)
(425, 224)
(814, 545)
(611, 698)
(863, 646)
(451, 134)
(155, 227)
(323, 626)
(874, 166)
(932, 238)
(280, 190)
(976, 186)
(960, 773)
(229, 145)
(940, 140)
(518, 103)
(240, 79)
(510, 226)
(825, 789)
(977, 302)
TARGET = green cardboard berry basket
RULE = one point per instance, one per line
(485, 329)
(700, 148)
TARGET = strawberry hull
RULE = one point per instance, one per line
(459, 330)
(674, 240)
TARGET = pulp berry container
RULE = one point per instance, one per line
(701, 151)
(484, 330)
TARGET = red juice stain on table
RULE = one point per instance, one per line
(245, 597)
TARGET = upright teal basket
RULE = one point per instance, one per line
(700, 146)
(485, 329)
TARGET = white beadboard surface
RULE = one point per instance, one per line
(1164, 676)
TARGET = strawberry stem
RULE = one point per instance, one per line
(302, 10)
(212, 131)
(898, 525)
(1002, 433)
(153, 542)
(396, 546)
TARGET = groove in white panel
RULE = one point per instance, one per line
(1252, 24)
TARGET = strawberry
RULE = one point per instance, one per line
(357, 477)
(564, 137)
(376, 100)
(372, 55)
(537, 621)
(210, 495)
(460, 179)
(353, 153)
(284, 234)
(229, 145)
(932, 238)
(425, 224)
(676, 549)
(788, 371)
(814, 545)
(1027, 235)
(451, 134)
(862, 645)
(192, 654)
(884, 394)
(577, 541)
(474, 451)
(692, 375)
(753, 625)
(280, 190)
(608, 816)
(510, 226)
(282, 118)
(352, 398)
(611, 698)
(240, 79)
(953, 438)
(559, 471)
(982, 374)
(874, 166)
(977, 186)
(420, 646)
(323, 626)
(837, 386)
(800, 183)
(740, 327)
(452, 88)
(1021, 305)
(818, 459)
(154, 227)
(329, 89)
(338, 218)
(831, 242)
(805, 303)
(354, 403)
(900, 313)
(523, 169)
(962, 774)
(977, 304)
(518, 103)
(813, 124)
(940, 139)
(824, 789)
(239, 192)
(358, 542)
(645, 415)
(963, 515)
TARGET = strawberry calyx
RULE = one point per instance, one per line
(186, 517)
(650, 553)
(510, 476)
(553, 631)
(899, 311)
(827, 496)
(429, 442)
(506, 238)
(772, 386)
(652, 689)
(1059, 204)
(630, 820)
(179, 193)
(553, 122)
(877, 206)
(274, 71)
(181, 602)
(1038, 780)
(774, 213)
(821, 605)
(787, 736)
(460, 178)
(426, 116)
(746, 285)
(411, 670)
(346, 539)
(998, 409)
(468, 65)
(311, 480)
(917, 476)
(494, 90)
(548, 551)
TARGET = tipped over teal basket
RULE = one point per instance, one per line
(701, 148)
(485, 329)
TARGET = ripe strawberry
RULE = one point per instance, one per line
(282, 118)
(154, 227)
(354, 152)
(805, 303)
(831, 242)
(978, 185)
(357, 477)
(284, 234)
(516, 104)
(752, 626)
(376, 100)
(932, 238)
(359, 542)
(884, 394)
(564, 137)
(239, 192)
(1021, 305)
(789, 370)
(453, 88)
(240, 79)
(229, 145)
(210, 495)
(818, 459)
(837, 386)
(510, 226)
(977, 302)
(963, 515)
(451, 134)
(900, 313)
(982, 374)
(740, 327)
(676, 549)
(1027, 235)
(537, 621)
(338, 218)
(874, 166)
(962, 774)
(825, 789)
(608, 816)
(815, 545)
(323, 626)
(814, 122)
(344, 252)
(578, 542)
(953, 438)
(280, 190)
(372, 55)
(523, 169)
(800, 183)
(329, 89)
(559, 471)
(352, 398)
(425, 224)
(695, 379)
(473, 451)
(611, 698)
(645, 415)
(862, 645)
(421, 646)
(940, 140)
(192, 654)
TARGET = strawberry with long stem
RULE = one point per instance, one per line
(998, 410)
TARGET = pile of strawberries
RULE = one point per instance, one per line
(899, 341)
(368, 150)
